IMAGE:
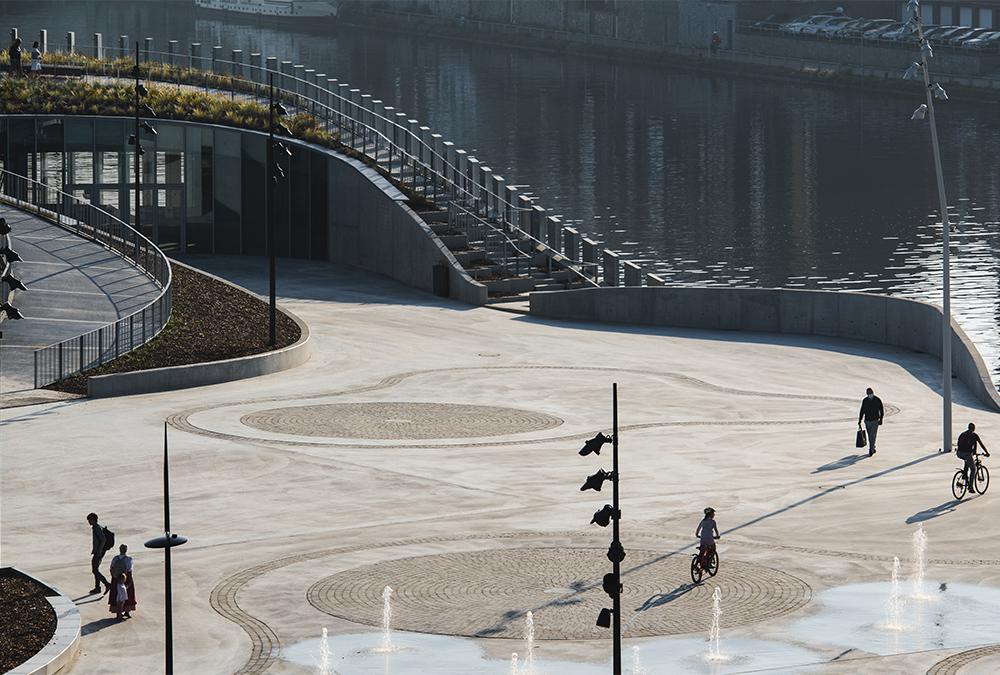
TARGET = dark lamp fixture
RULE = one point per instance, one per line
(10, 254)
(604, 618)
(603, 517)
(595, 444)
(163, 542)
(11, 311)
(13, 282)
(596, 481)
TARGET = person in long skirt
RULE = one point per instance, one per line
(121, 568)
(36, 59)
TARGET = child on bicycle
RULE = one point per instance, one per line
(966, 451)
(707, 533)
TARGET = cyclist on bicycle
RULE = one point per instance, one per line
(707, 533)
(967, 443)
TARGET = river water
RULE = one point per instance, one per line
(706, 180)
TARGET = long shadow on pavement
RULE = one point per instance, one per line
(933, 512)
(842, 463)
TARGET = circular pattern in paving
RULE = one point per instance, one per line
(396, 421)
(487, 593)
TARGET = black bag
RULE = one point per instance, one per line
(109, 539)
(862, 439)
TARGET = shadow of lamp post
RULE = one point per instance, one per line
(609, 514)
(166, 542)
(926, 110)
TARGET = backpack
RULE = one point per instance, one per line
(109, 539)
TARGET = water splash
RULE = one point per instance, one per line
(637, 668)
(387, 620)
(919, 564)
(714, 651)
(894, 608)
(324, 656)
(529, 644)
(514, 670)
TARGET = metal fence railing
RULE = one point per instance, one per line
(420, 162)
(66, 358)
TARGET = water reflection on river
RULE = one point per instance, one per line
(708, 180)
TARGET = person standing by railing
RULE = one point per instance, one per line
(36, 59)
(14, 52)
(715, 43)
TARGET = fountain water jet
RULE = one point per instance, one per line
(919, 563)
(513, 664)
(324, 655)
(895, 607)
(637, 668)
(714, 652)
(529, 640)
(387, 645)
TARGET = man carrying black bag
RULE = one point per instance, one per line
(871, 413)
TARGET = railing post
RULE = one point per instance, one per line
(537, 216)
(611, 269)
(237, 66)
(655, 280)
(71, 42)
(43, 40)
(98, 46)
(554, 232)
(255, 64)
(571, 243)
(147, 46)
(122, 46)
(633, 273)
(172, 52)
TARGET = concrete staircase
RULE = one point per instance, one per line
(510, 266)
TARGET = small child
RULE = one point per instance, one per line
(121, 595)
(707, 533)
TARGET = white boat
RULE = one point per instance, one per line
(303, 9)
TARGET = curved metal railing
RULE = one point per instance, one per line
(62, 359)
(420, 161)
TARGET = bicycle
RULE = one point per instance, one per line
(697, 571)
(981, 480)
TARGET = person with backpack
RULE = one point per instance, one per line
(103, 540)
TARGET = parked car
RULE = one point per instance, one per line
(942, 37)
(971, 34)
(842, 31)
(770, 22)
(904, 31)
(832, 26)
(858, 29)
(984, 41)
(878, 26)
(797, 25)
(915, 36)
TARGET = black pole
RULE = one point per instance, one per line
(137, 186)
(168, 613)
(616, 607)
(272, 306)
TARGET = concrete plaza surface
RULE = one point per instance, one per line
(433, 447)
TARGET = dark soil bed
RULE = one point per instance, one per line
(27, 621)
(210, 321)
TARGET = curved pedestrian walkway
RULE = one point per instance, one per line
(74, 286)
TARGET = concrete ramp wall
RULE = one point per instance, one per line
(854, 316)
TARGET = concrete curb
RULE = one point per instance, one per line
(880, 319)
(203, 374)
(65, 642)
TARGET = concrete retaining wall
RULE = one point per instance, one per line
(855, 316)
(372, 227)
(60, 651)
(202, 374)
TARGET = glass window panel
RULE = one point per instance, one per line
(171, 212)
(946, 16)
(318, 211)
(985, 17)
(22, 147)
(198, 234)
(254, 183)
(299, 211)
(228, 201)
(965, 16)
(109, 169)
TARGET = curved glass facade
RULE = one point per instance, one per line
(202, 185)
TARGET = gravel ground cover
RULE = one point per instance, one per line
(27, 621)
(210, 321)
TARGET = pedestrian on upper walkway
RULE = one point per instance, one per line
(14, 52)
(715, 43)
(99, 546)
(871, 414)
(36, 59)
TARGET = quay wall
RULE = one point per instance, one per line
(879, 319)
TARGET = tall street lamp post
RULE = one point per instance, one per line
(612, 582)
(166, 542)
(135, 139)
(274, 172)
(936, 91)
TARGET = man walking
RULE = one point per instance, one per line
(98, 547)
(871, 413)
(968, 441)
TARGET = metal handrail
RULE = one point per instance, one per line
(82, 352)
(394, 148)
